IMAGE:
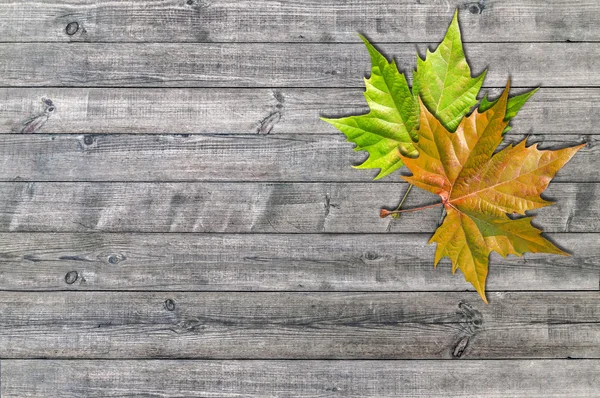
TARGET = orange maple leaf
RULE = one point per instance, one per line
(479, 189)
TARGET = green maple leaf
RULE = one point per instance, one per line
(443, 80)
(444, 83)
(392, 117)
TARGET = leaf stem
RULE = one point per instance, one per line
(384, 213)
(397, 215)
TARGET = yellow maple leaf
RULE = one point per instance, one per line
(479, 189)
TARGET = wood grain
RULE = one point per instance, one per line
(296, 21)
(551, 111)
(184, 202)
(228, 325)
(253, 208)
(273, 262)
(256, 157)
(300, 379)
(276, 65)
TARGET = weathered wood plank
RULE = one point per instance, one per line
(290, 158)
(276, 65)
(551, 111)
(231, 325)
(300, 379)
(207, 262)
(253, 207)
(295, 21)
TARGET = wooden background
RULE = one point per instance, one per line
(183, 225)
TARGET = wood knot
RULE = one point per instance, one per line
(170, 305)
(279, 97)
(71, 277)
(475, 8)
(266, 125)
(472, 317)
(371, 256)
(115, 258)
(49, 105)
(471, 322)
(35, 122)
(460, 348)
(72, 28)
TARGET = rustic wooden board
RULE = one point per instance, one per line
(296, 21)
(184, 202)
(253, 207)
(276, 65)
(229, 325)
(273, 262)
(256, 157)
(551, 111)
(300, 379)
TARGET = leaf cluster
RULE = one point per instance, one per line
(443, 82)
(454, 154)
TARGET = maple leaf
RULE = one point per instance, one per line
(443, 80)
(392, 118)
(479, 188)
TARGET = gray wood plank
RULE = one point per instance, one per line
(256, 157)
(300, 379)
(273, 262)
(276, 65)
(230, 325)
(253, 208)
(551, 111)
(296, 21)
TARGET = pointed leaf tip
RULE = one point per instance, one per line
(482, 295)
(364, 39)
